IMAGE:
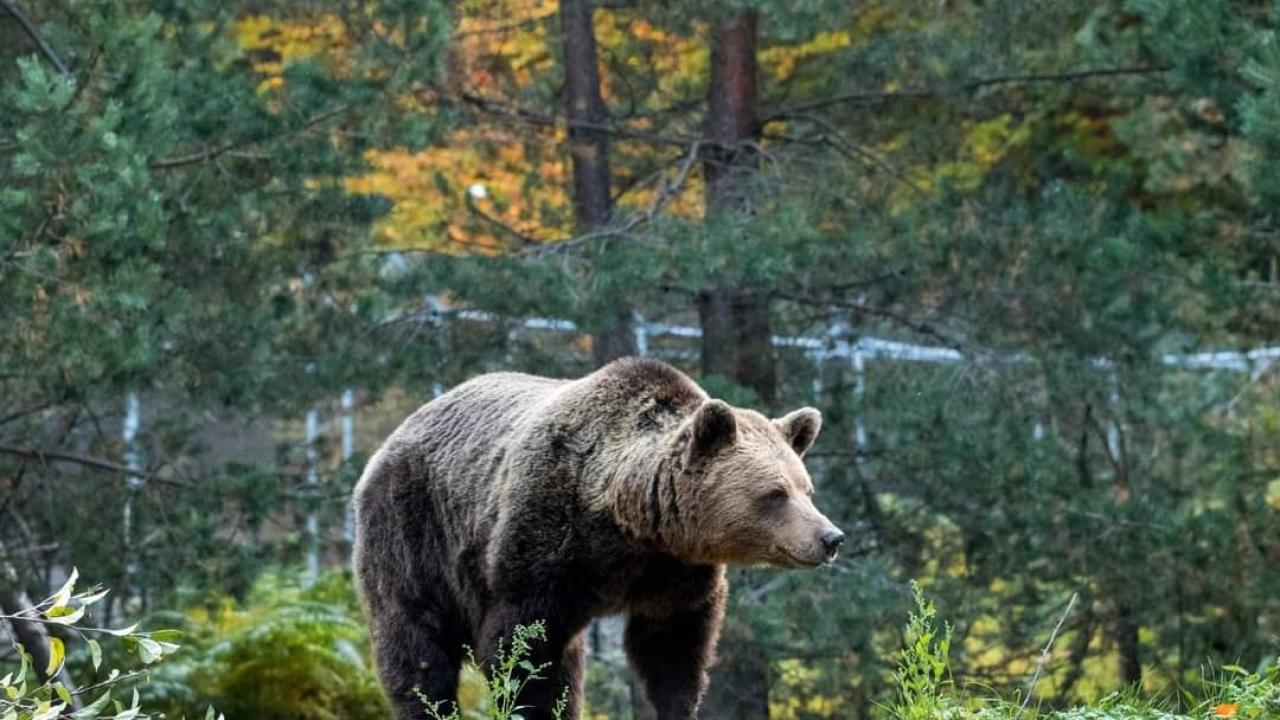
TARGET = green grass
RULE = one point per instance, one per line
(926, 690)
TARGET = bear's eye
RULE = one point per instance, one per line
(777, 495)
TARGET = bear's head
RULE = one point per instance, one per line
(742, 482)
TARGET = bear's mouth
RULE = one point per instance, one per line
(790, 559)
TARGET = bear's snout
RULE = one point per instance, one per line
(831, 541)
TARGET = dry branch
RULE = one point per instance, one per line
(1044, 657)
(43, 45)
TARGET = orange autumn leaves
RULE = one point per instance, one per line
(524, 189)
(272, 43)
(507, 53)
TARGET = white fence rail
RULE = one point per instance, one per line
(871, 347)
(833, 346)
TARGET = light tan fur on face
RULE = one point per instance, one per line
(752, 497)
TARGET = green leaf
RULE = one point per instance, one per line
(88, 599)
(123, 632)
(95, 653)
(148, 650)
(93, 709)
(48, 710)
(65, 615)
(167, 635)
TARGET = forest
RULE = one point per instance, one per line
(1022, 254)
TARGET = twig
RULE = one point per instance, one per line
(833, 136)
(922, 328)
(229, 149)
(1044, 656)
(37, 38)
(972, 85)
(27, 411)
(48, 456)
(504, 109)
(123, 677)
(665, 194)
(525, 240)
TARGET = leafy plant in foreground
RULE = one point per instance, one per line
(510, 672)
(923, 673)
(27, 697)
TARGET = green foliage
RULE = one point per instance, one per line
(507, 677)
(26, 696)
(922, 671)
(286, 652)
(1064, 192)
(1236, 695)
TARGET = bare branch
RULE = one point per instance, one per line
(27, 411)
(833, 136)
(1044, 656)
(501, 108)
(668, 190)
(37, 38)
(522, 238)
(52, 456)
(231, 149)
(968, 87)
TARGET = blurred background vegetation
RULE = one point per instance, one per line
(997, 242)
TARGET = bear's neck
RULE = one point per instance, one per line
(644, 498)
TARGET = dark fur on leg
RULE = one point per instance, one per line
(413, 664)
(671, 654)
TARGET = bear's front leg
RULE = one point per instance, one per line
(671, 653)
(560, 657)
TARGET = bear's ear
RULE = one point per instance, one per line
(800, 428)
(713, 428)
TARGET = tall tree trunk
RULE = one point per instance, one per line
(589, 149)
(32, 636)
(736, 332)
(1127, 644)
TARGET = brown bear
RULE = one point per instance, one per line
(514, 498)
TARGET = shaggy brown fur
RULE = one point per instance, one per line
(516, 498)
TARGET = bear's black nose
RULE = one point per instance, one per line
(832, 539)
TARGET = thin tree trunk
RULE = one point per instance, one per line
(589, 149)
(737, 338)
(32, 636)
(736, 332)
(1127, 644)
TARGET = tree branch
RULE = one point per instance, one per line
(968, 87)
(50, 456)
(504, 109)
(37, 38)
(522, 238)
(833, 136)
(665, 194)
(230, 148)
(27, 411)
(1044, 657)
